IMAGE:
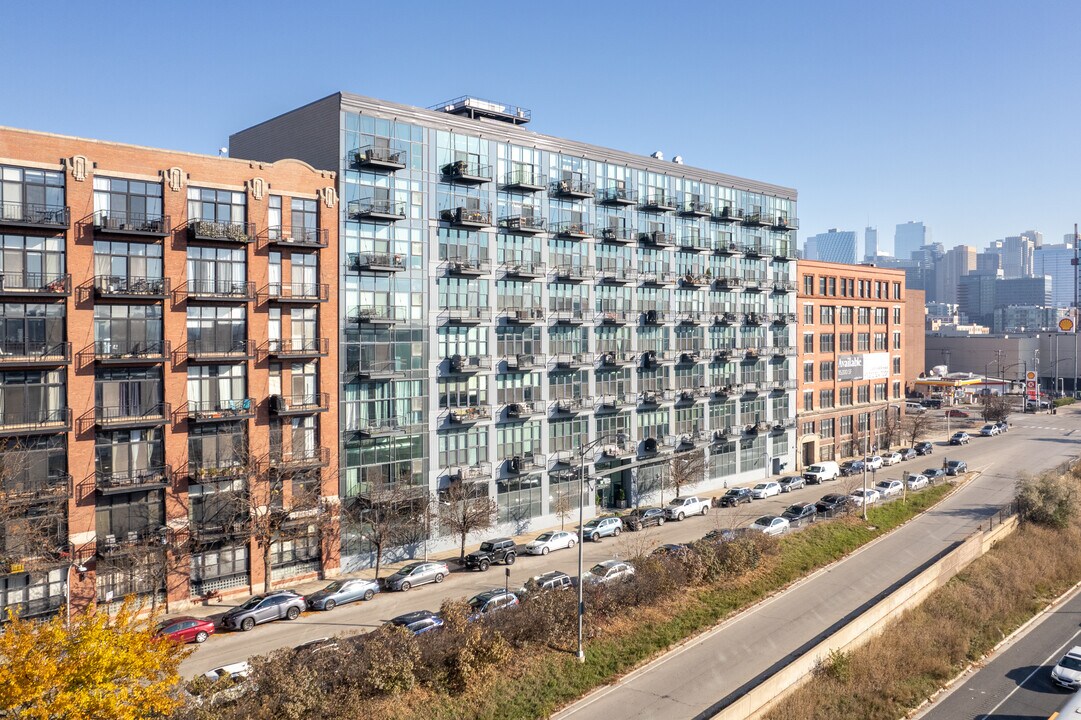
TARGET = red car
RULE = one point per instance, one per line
(186, 629)
(956, 413)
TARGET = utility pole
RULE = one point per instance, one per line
(866, 427)
(1076, 268)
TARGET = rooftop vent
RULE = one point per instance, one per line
(473, 108)
(657, 155)
(678, 159)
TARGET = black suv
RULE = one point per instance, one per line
(924, 448)
(643, 517)
(832, 503)
(492, 551)
(553, 580)
(735, 496)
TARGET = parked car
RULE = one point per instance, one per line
(341, 592)
(832, 503)
(955, 413)
(761, 491)
(1067, 671)
(549, 541)
(643, 517)
(822, 471)
(671, 549)
(959, 438)
(924, 448)
(933, 403)
(916, 481)
(933, 474)
(552, 580)
(498, 550)
(186, 629)
(419, 622)
(491, 601)
(892, 458)
(889, 488)
(865, 497)
(907, 453)
(914, 407)
(417, 573)
(770, 525)
(792, 482)
(874, 462)
(264, 608)
(956, 467)
(1037, 405)
(318, 645)
(989, 430)
(735, 496)
(597, 528)
(851, 467)
(1002, 426)
(233, 670)
(679, 508)
(799, 513)
(609, 571)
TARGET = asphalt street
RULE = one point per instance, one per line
(702, 677)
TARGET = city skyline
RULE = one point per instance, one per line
(942, 136)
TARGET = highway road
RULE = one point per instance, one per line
(702, 677)
(1015, 683)
(989, 492)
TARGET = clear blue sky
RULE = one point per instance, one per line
(960, 114)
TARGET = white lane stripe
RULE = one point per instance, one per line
(1021, 684)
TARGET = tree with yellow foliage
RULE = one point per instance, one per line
(99, 667)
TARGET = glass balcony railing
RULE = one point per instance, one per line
(376, 262)
(573, 188)
(526, 179)
(471, 172)
(382, 209)
(375, 157)
(617, 196)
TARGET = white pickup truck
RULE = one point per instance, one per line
(679, 508)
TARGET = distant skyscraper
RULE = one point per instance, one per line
(909, 238)
(834, 245)
(1017, 256)
(870, 243)
(1057, 262)
(954, 265)
(810, 248)
(988, 263)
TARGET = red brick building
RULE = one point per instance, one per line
(167, 391)
(851, 359)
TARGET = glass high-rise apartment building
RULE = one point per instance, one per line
(509, 299)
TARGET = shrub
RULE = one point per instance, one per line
(1047, 499)
(393, 656)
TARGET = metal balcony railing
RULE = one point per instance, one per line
(213, 410)
(617, 195)
(30, 490)
(658, 201)
(566, 361)
(522, 315)
(297, 347)
(372, 315)
(376, 262)
(237, 232)
(573, 272)
(33, 352)
(210, 348)
(468, 415)
(132, 415)
(298, 292)
(377, 209)
(17, 421)
(34, 215)
(31, 283)
(469, 363)
(131, 287)
(131, 350)
(573, 229)
(378, 158)
(726, 214)
(299, 404)
(527, 179)
(524, 269)
(694, 207)
(470, 172)
(464, 315)
(521, 410)
(299, 458)
(754, 217)
(297, 236)
(618, 234)
(783, 223)
(117, 481)
(657, 238)
(131, 223)
(228, 290)
(523, 224)
(573, 188)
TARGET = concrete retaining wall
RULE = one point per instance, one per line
(756, 703)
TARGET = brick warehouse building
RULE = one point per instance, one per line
(851, 369)
(165, 375)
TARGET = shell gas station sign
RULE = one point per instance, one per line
(1032, 386)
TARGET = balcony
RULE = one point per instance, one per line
(525, 269)
(523, 362)
(654, 358)
(376, 157)
(131, 287)
(616, 274)
(299, 404)
(211, 350)
(573, 230)
(466, 267)
(784, 384)
(728, 318)
(527, 224)
(658, 202)
(523, 316)
(657, 238)
(783, 286)
(570, 406)
(468, 415)
(296, 347)
(693, 207)
(618, 235)
(34, 215)
(298, 459)
(219, 410)
(470, 473)
(783, 250)
(296, 236)
(783, 223)
(617, 196)
(655, 397)
(754, 282)
(655, 277)
(574, 316)
(693, 242)
(116, 417)
(572, 361)
(232, 232)
(372, 369)
(378, 209)
(36, 285)
(382, 427)
(123, 481)
(467, 172)
(464, 315)
(613, 317)
(376, 262)
(690, 395)
(613, 402)
(574, 188)
(373, 315)
(573, 272)
(221, 290)
(519, 464)
(754, 250)
(653, 317)
(525, 179)
(784, 351)
(468, 364)
(614, 358)
(754, 318)
(21, 490)
(755, 218)
(618, 449)
(694, 279)
(30, 353)
(689, 357)
(113, 222)
(691, 317)
(728, 282)
(113, 352)
(464, 217)
(521, 410)
(784, 319)
(726, 247)
(726, 214)
(22, 421)
(297, 292)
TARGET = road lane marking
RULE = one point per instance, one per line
(1021, 684)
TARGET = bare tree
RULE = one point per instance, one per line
(687, 469)
(891, 428)
(562, 507)
(390, 514)
(996, 408)
(916, 426)
(463, 511)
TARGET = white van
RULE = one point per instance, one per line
(914, 407)
(822, 471)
